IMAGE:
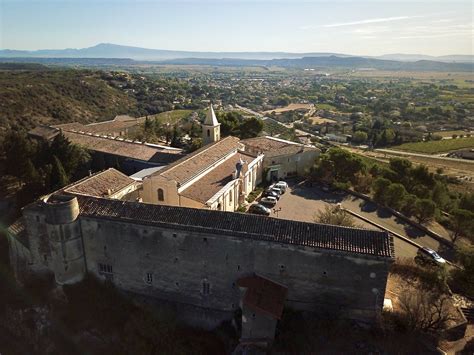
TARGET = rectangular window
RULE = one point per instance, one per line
(149, 278)
(206, 288)
(105, 269)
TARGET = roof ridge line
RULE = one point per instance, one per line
(191, 156)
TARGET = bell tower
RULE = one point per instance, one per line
(211, 128)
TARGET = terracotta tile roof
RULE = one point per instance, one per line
(119, 123)
(103, 184)
(192, 164)
(246, 226)
(124, 148)
(44, 132)
(273, 147)
(207, 186)
(264, 144)
(73, 125)
(263, 295)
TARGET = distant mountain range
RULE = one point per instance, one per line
(116, 55)
(108, 50)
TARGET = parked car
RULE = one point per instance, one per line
(259, 209)
(429, 256)
(275, 189)
(268, 201)
(281, 185)
(270, 193)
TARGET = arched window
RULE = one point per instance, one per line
(208, 132)
(161, 195)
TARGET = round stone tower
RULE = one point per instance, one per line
(65, 239)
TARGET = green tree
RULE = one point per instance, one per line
(59, 177)
(409, 205)
(335, 216)
(461, 223)
(18, 151)
(250, 128)
(394, 196)
(467, 202)
(346, 165)
(401, 167)
(425, 210)
(462, 279)
(440, 195)
(323, 169)
(379, 187)
(359, 137)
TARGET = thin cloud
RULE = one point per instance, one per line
(373, 20)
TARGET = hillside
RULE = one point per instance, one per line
(58, 96)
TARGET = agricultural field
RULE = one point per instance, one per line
(290, 107)
(326, 107)
(435, 147)
(275, 129)
(449, 134)
(171, 117)
(320, 120)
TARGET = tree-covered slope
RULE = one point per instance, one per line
(58, 96)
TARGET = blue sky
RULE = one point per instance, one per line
(370, 27)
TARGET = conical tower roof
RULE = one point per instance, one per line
(211, 119)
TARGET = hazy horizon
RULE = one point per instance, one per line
(364, 28)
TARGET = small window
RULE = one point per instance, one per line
(230, 196)
(174, 235)
(161, 195)
(282, 267)
(206, 287)
(208, 133)
(149, 278)
(204, 240)
(105, 268)
(238, 267)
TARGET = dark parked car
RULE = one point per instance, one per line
(259, 209)
(269, 193)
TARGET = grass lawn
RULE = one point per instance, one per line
(171, 116)
(433, 147)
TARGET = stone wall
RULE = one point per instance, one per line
(202, 269)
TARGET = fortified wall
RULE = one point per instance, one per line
(196, 257)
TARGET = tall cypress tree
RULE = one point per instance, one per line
(58, 175)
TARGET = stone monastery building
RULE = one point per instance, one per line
(183, 246)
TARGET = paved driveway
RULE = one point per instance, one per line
(302, 203)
